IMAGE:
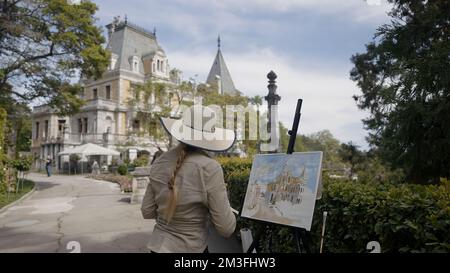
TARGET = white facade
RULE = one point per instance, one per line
(107, 118)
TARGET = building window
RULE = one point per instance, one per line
(158, 65)
(37, 130)
(162, 66)
(113, 62)
(134, 63)
(153, 67)
(95, 93)
(85, 125)
(109, 124)
(136, 125)
(108, 92)
(61, 126)
(46, 129)
(80, 126)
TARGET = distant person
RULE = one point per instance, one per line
(157, 154)
(187, 188)
(95, 168)
(48, 166)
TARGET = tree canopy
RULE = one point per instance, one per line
(404, 79)
(44, 46)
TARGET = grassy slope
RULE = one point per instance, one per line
(27, 187)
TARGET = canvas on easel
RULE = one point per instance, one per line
(282, 188)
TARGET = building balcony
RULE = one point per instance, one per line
(100, 103)
(99, 139)
(42, 109)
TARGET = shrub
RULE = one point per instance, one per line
(141, 161)
(123, 169)
(74, 158)
(403, 218)
(22, 164)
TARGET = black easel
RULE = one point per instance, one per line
(301, 235)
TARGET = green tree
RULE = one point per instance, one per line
(404, 76)
(256, 100)
(44, 45)
(18, 128)
(370, 168)
(2, 147)
(350, 154)
(284, 140)
(326, 142)
(210, 96)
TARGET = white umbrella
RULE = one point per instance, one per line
(89, 149)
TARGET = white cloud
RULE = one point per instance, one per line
(359, 10)
(194, 18)
(325, 88)
(327, 96)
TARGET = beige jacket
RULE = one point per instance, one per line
(202, 197)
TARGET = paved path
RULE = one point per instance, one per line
(73, 208)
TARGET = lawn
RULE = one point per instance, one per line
(5, 199)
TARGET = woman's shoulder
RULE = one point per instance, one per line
(204, 161)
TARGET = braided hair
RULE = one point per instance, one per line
(173, 190)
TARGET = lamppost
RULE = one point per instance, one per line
(272, 101)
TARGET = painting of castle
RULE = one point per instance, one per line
(282, 188)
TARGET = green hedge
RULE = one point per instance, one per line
(402, 218)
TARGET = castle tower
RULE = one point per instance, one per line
(220, 75)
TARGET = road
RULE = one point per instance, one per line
(94, 214)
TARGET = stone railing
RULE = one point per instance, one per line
(100, 103)
(42, 109)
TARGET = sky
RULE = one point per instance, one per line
(307, 43)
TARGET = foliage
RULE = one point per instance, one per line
(3, 115)
(349, 153)
(114, 161)
(403, 218)
(141, 161)
(149, 101)
(370, 168)
(326, 142)
(210, 97)
(320, 141)
(6, 198)
(123, 169)
(284, 140)
(256, 100)
(22, 164)
(43, 45)
(74, 158)
(404, 79)
(2, 144)
(18, 125)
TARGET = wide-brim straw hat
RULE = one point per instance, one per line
(198, 127)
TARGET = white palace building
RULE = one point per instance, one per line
(106, 118)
